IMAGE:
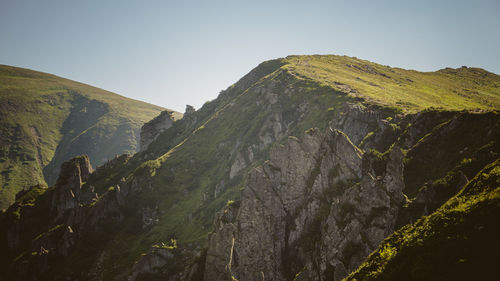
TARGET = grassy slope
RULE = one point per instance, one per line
(45, 119)
(457, 139)
(448, 89)
(457, 242)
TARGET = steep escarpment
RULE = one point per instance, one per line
(313, 210)
(320, 205)
(50, 209)
(305, 178)
(47, 230)
(46, 120)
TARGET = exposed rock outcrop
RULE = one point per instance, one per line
(152, 129)
(68, 193)
(152, 262)
(189, 115)
(316, 208)
(73, 215)
(366, 126)
(168, 262)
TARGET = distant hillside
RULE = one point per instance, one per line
(45, 120)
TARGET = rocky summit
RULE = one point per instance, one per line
(307, 168)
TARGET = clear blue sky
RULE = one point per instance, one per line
(173, 53)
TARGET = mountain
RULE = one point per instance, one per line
(46, 120)
(298, 171)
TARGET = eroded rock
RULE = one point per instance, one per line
(313, 208)
(152, 129)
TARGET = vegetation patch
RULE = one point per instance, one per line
(453, 243)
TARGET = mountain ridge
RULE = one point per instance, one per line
(370, 80)
(296, 202)
(22, 72)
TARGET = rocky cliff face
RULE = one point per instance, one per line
(73, 215)
(321, 205)
(315, 209)
(54, 209)
(152, 129)
(69, 193)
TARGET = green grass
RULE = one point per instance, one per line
(410, 90)
(46, 120)
(448, 143)
(457, 242)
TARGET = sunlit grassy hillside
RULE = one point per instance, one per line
(449, 89)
